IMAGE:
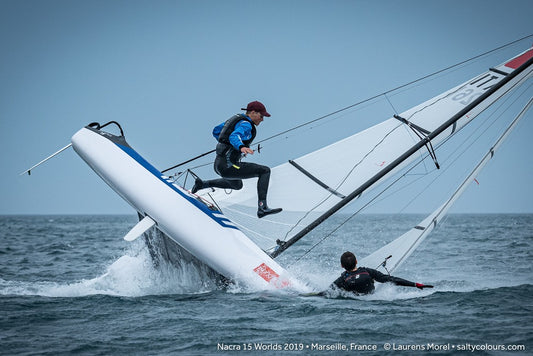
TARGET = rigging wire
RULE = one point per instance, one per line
(390, 103)
(422, 160)
(357, 192)
(415, 164)
(368, 99)
(344, 179)
(399, 126)
(451, 155)
(399, 87)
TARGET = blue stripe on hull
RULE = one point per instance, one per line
(219, 218)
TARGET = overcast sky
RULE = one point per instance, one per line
(169, 71)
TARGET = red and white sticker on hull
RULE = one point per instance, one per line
(269, 275)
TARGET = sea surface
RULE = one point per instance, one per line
(72, 285)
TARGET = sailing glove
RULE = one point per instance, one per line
(422, 286)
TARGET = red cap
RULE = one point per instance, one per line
(258, 107)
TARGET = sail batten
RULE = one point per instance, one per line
(477, 103)
(313, 187)
(316, 180)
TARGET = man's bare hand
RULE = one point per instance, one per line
(247, 150)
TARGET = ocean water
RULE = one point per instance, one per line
(71, 285)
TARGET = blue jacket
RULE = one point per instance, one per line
(242, 132)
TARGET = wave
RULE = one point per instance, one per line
(391, 292)
(134, 275)
(131, 275)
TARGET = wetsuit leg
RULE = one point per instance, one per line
(234, 184)
(220, 165)
(251, 170)
(246, 170)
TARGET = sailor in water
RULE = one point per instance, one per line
(234, 139)
(361, 280)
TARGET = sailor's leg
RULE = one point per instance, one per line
(250, 170)
(246, 170)
(198, 184)
(230, 177)
(235, 184)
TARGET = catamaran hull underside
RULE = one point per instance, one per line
(206, 234)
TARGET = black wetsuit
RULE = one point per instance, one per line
(228, 160)
(361, 281)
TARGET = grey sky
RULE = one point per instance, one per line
(169, 71)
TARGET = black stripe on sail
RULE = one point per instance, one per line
(316, 180)
(498, 71)
(493, 90)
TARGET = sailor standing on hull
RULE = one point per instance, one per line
(234, 139)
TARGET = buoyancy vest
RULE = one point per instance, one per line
(358, 281)
(224, 147)
(229, 127)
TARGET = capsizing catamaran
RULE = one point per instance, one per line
(211, 227)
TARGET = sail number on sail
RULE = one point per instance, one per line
(468, 95)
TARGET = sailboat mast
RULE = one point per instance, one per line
(426, 140)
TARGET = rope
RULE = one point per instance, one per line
(478, 133)
(365, 100)
(395, 89)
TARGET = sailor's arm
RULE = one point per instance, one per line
(242, 131)
(383, 278)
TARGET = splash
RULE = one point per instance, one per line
(131, 275)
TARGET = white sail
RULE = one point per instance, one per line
(402, 247)
(308, 186)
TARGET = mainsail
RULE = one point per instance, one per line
(309, 190)
(397, 251)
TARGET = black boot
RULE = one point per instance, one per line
(198, 184)
(265, 210)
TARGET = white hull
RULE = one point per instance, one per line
(205, 233)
